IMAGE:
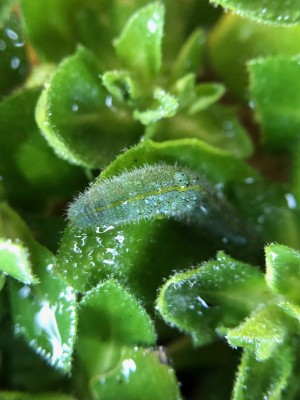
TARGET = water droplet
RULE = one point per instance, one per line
(250, 180)
(152, 26)
(45, 321)
(75, 107)
(291, 201)
(11, 34)
(24, 292)
(128, 366)
(202, 302)
(15, 62)
(2, 45)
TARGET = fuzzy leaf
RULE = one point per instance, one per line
(137, 371)
(109, 313)
(15, 261)
(278, 12)
(264, 379)
(262, 332)
(139, 44)
(77, 118)
(15, 243)
(283, 271)
(216, 296)
(166, 107)
(46, 314)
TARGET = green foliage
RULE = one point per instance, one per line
(181, 124)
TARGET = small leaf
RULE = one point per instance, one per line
(262, 332)
(122, 86)
(166, 107)
(193, 98)
(137, 371)
(109, 313)
(214, 297)
(283, 271)
(264, 379)
(235, 40)
(274, 89)
(15, 261)
(278, 12)
(206, 95)
(15, 246)
(139, 44)
(76, 115)
(290, 309)
(190, 57)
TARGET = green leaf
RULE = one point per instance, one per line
(166, 107)
(122, 86)
(15, 261)
(214, 297)
(190, 57)
(13, 62)
(262, 332)
(109, 318)
(137, 371)
(207, 94)
(217, 126)
(27, 164)
(274, 88)
(39, 396)
(278, 12)
(45, 313)
(193, 98)
(77, 117)
(283, 271)
(109, 313)
(235, 40)
(139, 44)
(15, 243)
(290, 309)
(264, 379)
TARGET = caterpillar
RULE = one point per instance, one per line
(145, 193)
(165, 191)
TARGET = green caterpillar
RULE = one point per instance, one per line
(163, 191)
(152, 191)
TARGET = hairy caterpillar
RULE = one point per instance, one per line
(152, 191)
(164, 191)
